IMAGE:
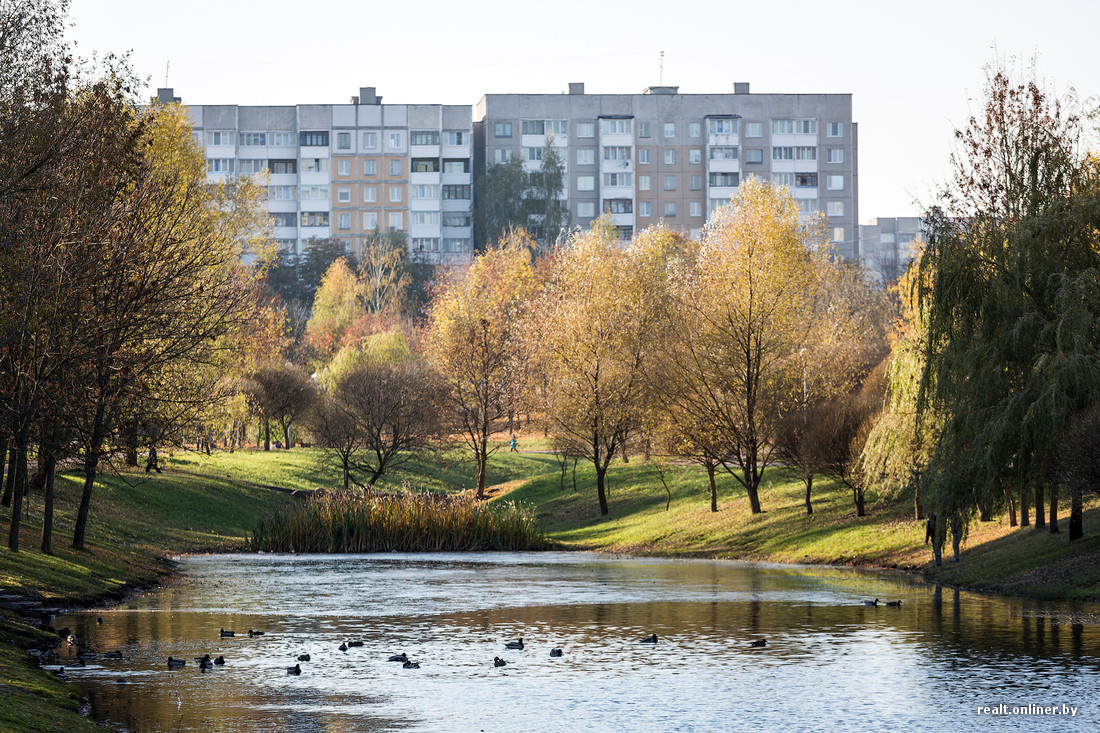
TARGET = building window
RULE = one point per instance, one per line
(503, 155)
(696, 208)
(616, 152)
(835, 155)
(586, 209)
(805, 127)
(502, 129)
(284, 219)
(249, 166)
(586, 156)
(454, 219)
(456, 137)
(754, 129)
(370, 140)
(783, 179)
(805, 180)
(460, 165)
(670, 129)
(315, 218)
(252, 139)
(220, 137)
(532, 127)
(695, 156)
(395, 221)
(834, 183)
(834, 129)
(313, 138)
(281, 139)
(456, 245)
(424, 218)
(586, 183)
(723, 152)
(670, 183)
(282, 193)
(670, 208)
(724, 127)
(313, 193)
(644, 208)
(395, 166)
(670, 156)
(395, 141)
(618, 179)
(343, 141)
(370, 221)
(423, 137)
(618, 206)
(643, 155)
(314, 165)
(616, 127)
(423, 165)
(456, 192)
(834, 208)
(343, 167)
(343, 221)
(425, 244)
(219, 165)
(807, 206)
(838, 234)
(695, 183)
(643, 183)
(532, 154)
(557, 127)
(370, 167)
(343, 195)
(783, 152)
(395, 194)
(643, 129)
(586, 129)
(804, 152)
(282, 167)
(695, 130)
(754, 156)
(724, 179)
(370, 194)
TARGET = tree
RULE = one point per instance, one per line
(1079, 465)
(742, 314)
(337, 304)
(1012, 347)
(499, 201)
(547, 215)
(383, 274)
(474, 341)
(285, 393)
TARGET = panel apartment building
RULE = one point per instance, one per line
(347, 171)
(662, 155)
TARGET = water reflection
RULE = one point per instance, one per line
(831, 661)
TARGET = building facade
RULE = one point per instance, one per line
(888, 244)
(662, 155)
(351, 171)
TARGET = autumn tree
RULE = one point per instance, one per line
(474, 341)
(284, 393)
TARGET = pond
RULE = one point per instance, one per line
(831, 662)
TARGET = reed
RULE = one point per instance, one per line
(331, 522)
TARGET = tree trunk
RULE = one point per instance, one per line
(1040, 507)
(600, 490)
(857, 495)
(752, 488)
(1011, 501)
(574, 474)
(286, 435)
(47, 509)
(984, 512)
(482, 460)
(91, 464)
(1024, 520)
(809, 481)
(1054, 509)
(267, 434)
(9, 480)
(131, 445)
(17, 491)
(918, 508)
(1076, 513)
(713, 488)
(4, 458)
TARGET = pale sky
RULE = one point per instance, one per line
(912, 68)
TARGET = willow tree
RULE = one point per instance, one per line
(474, 340)
(1012, 349)
(745, 314)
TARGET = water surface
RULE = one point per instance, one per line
(831, 662)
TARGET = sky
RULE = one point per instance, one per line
(915, 70)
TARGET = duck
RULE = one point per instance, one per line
(759, 643)
(296, 669)
(402, 657)
(355, 643)
(555, 652)
(219, 660)
(343, 647)
(871, 603)
(203, 659)
(226, 634)
(411, 665)
(893, 603)
(98, 620)
(77, 663)
(303, 657)
(651, 639)
(514, 644)
(253, 632)
(498, 662)
(113, 655)
(86, 656)
(206, 664)
(176, 663)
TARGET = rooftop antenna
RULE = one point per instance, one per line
(166, 65)
(660, 71)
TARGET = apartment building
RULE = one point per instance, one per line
(662, 155)
(349, 171)
(888, 244)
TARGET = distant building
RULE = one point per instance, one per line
(888, 245)
(347, 171)
(662, 155)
